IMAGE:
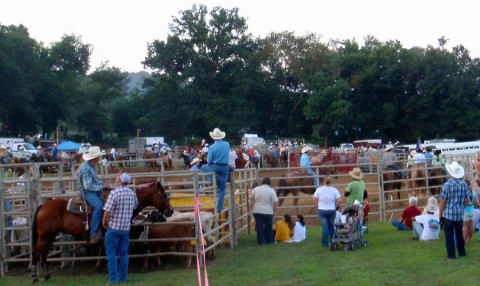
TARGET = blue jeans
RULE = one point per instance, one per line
(116, 243)
(93, 199)
(221, 172)
(399, 225)
(327, 219)
(396, 167)
(5, 160)
(264, 225)
(454, 231)
(314, 175)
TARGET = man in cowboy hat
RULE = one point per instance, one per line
(426, 226)
(453, 199)
(21, 154)
(90, 186)
(217, 159)
(356, 188)
(390, 160)
(305, 165)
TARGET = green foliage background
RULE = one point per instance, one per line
(210, 72)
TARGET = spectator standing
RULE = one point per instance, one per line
(114, 153)
(453, 199)
(327, 199)
(468, 212)
(355, 188)
(55, 151)
(118, 214)
(264, 200)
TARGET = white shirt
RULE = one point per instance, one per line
(232, 157)
(299, 232)
(327, 197)
(419, 158)
(476, 219)
(264, 197)
(428, 233)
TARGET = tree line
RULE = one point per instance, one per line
(211, 72)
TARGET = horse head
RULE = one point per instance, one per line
(160, 200)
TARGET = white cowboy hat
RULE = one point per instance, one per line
(306, 149)
(455, 170)
(388, 147)
(356, 173)
(93, 152)
(39, 147)
(195, 160)
(217, 134)
(413, 152)
(3, 147)
(431, 208)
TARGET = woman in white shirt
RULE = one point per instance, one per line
(327, 199)
(300, 230)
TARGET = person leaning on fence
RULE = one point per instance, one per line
(90, 186)
(118, 214)
(355, 188)
(453, 199)
(408, 213)
(265, 201)
(305, 164)
(217, 158)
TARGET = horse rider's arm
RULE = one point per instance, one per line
(106, 218)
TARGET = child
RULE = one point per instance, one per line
(299, 230)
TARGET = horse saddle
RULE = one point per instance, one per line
(78, 206)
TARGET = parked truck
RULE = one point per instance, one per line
(141, 144)
(12, 145)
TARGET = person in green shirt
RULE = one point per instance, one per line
(355, 188)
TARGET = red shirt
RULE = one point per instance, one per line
(409, 213)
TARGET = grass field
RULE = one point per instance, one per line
(391, 258)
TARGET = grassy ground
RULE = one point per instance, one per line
(391, 258)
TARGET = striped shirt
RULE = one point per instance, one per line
(454, 192)
(88, 179)
(121, 202)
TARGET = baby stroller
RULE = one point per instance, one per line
(349, 231)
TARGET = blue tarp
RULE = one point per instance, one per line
(68, 146)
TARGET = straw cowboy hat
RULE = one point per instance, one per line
(455, 170)
(389, 147)
(217, 134)
(194, 161)
(306, 149)
(356, 173)
(93, 152)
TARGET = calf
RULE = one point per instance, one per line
(171, 231)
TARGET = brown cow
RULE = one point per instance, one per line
(173, 232)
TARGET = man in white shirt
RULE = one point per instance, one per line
(426, 227)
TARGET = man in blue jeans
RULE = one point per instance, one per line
(218, 155)
(118, 214)
(90, 186)
(453, 199)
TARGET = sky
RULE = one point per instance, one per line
(119, 30)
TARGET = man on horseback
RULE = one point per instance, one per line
(305, 165)
(90, 186)
(390, 161)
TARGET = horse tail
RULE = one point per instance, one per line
(35, 227)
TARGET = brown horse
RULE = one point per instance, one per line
(153, 164)
(417, 179)
(294, 182)
(436, 178)
(392, 181)
(270, 159)
(119, 159)
(52, 217)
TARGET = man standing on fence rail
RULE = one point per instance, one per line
(218, 155)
